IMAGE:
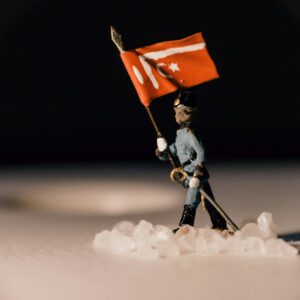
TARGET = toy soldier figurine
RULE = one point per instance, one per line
(190, 152)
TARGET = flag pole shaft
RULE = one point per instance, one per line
(153, 121)
(159, 134)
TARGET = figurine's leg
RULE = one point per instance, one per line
(192, 197)
(218, 222)
(189, 211)
(190, 206)
(188, 215)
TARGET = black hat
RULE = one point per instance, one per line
(186, 98)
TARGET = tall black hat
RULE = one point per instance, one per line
(186, 98)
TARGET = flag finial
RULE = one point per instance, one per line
(117, 38)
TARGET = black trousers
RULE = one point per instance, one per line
(216, 219)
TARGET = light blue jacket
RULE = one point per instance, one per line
(188, 149)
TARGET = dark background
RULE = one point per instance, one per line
(66, 97)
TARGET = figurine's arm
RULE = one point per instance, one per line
(199, 149)
(163, 155)
(172, 149)
(199, 172)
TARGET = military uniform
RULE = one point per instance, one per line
(191, 155)
(190, 152)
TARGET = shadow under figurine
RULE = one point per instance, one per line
(192, 174)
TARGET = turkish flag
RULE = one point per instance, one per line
(162, 68)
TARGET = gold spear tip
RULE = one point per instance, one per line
(117, 38)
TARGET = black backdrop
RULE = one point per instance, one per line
(66, 97)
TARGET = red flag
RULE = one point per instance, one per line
(162, 68)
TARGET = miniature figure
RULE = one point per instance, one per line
(190, 152)
(163, 68)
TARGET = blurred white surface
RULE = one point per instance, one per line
(46, 238)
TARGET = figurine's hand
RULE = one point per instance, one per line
(158, 153)
(194, 182)
(162, 144)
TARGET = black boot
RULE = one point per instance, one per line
(188, 216)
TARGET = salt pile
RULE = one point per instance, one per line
(151, 242)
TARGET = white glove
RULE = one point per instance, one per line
(194, 182)
(161, 144)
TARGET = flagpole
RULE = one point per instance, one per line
(153, 121)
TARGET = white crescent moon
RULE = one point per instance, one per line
(161, 72)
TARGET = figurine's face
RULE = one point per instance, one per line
(184, 114)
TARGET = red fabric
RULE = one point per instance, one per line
(162, 68)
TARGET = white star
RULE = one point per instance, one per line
(174, 67)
